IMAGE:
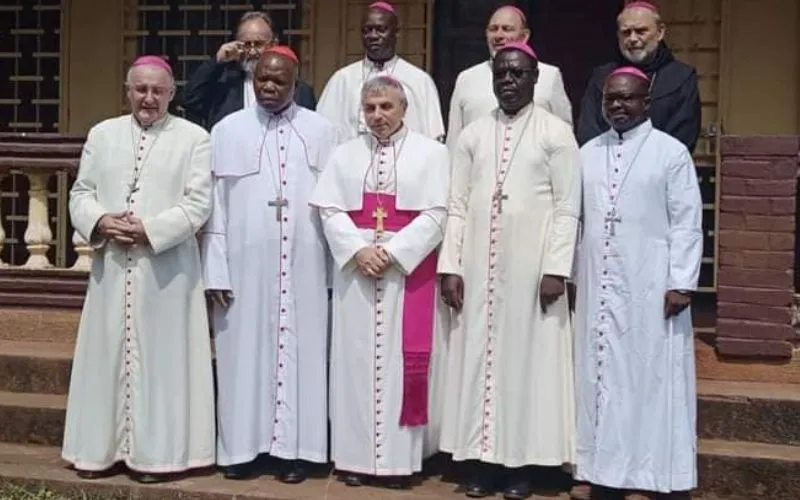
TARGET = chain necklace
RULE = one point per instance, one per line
(139, 162)
(500, 180)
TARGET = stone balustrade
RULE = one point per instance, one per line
(48, 240)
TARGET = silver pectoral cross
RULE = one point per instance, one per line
(132, 188)
(612, 219)
(278, 204)
(499, 197)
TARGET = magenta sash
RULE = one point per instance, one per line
(419, 300)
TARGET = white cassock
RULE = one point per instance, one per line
(142, 389)
(271, 342)
(369, 339)
(473, 97)
(635, 375)
(509, 386)
(340, 101)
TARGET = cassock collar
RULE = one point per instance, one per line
(392, 140)
(642, 129)
(521, 114)
(153, 127)
(288, 113)
(372, 66)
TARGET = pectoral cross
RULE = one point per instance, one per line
(278, 204)
(132, 188)
(611, 222)
(379, 214)
(499, 197)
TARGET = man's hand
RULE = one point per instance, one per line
(372, 261)
(137, 231)
(675, 302)
(452, 290)
(231, 51)
(221, 298)
(115, 226)
(550, 289)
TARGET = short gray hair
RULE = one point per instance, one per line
(380, 84)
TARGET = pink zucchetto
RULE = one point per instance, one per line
(629, 70)
(521, 46)
(383, 6)
(641, 5)
(516, 10)
(154, 61)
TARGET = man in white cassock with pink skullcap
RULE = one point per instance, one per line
(512, 220)
(141, 392)
(638, 263)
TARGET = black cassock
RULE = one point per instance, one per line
(675, 99)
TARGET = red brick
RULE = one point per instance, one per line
(753, 295)
(771, 223)
(781, 241)
(745, 205)
(757, 187)
(768, 314)
(757, 260)
(776, 169)
(732, 221)
(743, 240)
(743, 329)
(783, 206)
(758, 278)
(776, 145)
(754, 348)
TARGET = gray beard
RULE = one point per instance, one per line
(249, 65)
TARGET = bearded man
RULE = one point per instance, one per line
(675, 99)
(141, 390)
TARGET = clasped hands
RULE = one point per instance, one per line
(550, 289)
(122, 228)
(372, 261)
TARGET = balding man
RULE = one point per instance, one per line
(265, 268)
(382, 199)
(141, 390)
(473, 96)
(675, 106)
(638, 263)
(510, 236)
(340, 101)
(224, 84)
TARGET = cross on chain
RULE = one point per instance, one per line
(379, 214)
(278, 205)
(132, 188)
(612, 219)
(499, 197)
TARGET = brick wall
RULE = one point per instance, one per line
(755, 283)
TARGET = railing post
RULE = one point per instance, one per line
(38, 234)
(84, 251)
(2, 231)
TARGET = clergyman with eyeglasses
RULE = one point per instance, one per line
(224, 84)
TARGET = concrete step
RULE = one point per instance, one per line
(35, 367)
(748, 471)
(32, 418)
(749, 411)
(32, 324)
(35, 466)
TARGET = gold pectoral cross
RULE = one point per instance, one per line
(379, 214)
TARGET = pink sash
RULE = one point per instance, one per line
(419, 300)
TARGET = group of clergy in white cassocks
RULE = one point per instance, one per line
(451, 329)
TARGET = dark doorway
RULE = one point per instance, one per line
(574, 35)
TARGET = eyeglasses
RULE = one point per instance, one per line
(626, 98)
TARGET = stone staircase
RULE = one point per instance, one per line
(749, 447)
